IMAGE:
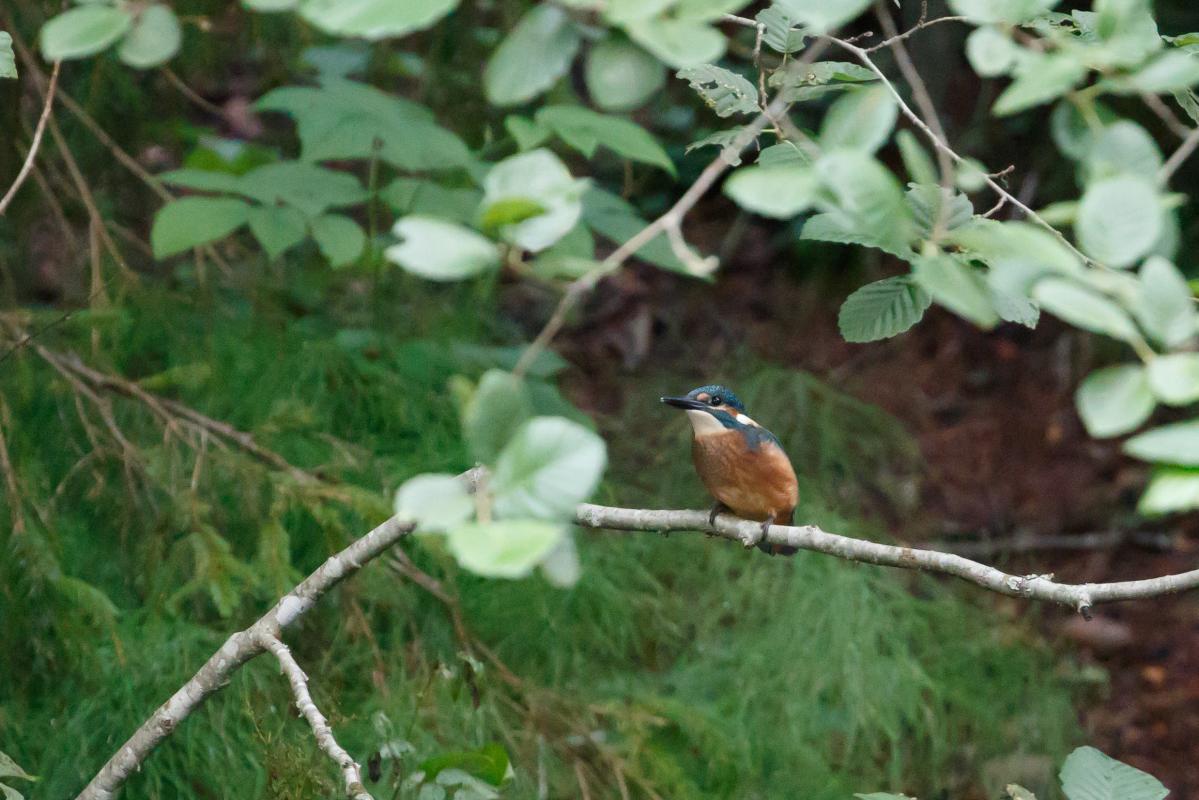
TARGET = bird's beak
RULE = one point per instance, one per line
(684, 403)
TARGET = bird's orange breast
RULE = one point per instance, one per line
(756, 483)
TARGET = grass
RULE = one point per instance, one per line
(686, 665)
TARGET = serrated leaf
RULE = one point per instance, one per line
(956, 286)
(869, 200)
(781, 33)
(1114, 401)
(882, 309)
(1088, 774)
(723, 140)
(724, 91)
(8, 61)
(915, 158)
(925, 202)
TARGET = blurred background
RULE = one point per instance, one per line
(675, 667)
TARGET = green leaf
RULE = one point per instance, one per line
(498, 407)
(1013, 307)
(374, 19)
(192, 221)
(925, 202)
(527, 133)
(1170, 72)
(1189, 102)
(307, 187)
(780, 192)
(154, 38)
(83, 31)
(434, 502)
(821, 15)
(1165, 305)
(999, 242)
(585, 130)
(1038, 80)
(1009, 11)
(441, 251)
(549, 467)
(990, 52)
(343, 119)
(270, 6)
(277, 228)
(611, 217)
(8, 62)
(956, 286)
(1174, 378)
(1170, 491)
(882, 796)
(1074, 133)
(532, 57)
(538, 176)
(339, 238)
(621, 76)
(725, 140)
(1090, 775)
(204, 180)
(1119, 220)
(1122, 147)
(861, 120)
(1115, 400)
(10, 769)
(882, 309)
(508, 212)
(783, 154)
(416, 196)
(870, 203)
(490, 763)
(915, 158)
(561, 566)
(1084, 309)
(679, 42)
(781, 34)
(724, 91)
(506, 548)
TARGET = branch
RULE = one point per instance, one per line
(1080, 597)
(1179, 156)
(320, 726)
(237, 650)
(942, 146)
(669, 223)
(38, 132)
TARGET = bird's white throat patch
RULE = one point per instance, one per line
(704, 424)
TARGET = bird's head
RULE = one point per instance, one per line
(712, 409)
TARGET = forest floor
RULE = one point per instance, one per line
(1006, 460)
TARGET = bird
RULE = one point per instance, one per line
(742, 465)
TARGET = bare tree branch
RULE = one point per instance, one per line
(38, 132)
(1179, 156)
(350, 769)
(237, 650)
(1080, 597)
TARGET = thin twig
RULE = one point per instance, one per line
(39, 131)
(1166, 115)
(191, 94)
(864, 57)
(669, 223)
(350, 770)
(919, 26)
(1179, 156)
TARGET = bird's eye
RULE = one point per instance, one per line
(716, 400)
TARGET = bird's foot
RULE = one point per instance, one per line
(750, 541)
(716, 509)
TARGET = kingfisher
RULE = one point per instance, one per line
(741, 463)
